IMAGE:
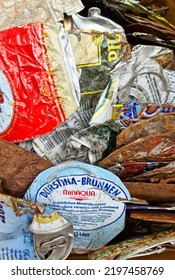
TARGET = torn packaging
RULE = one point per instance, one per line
(163, 34)
(143, 81)
(151, 11)
(30, 230)
(38, 80)
(80, 194)
(134, 246)
(96, 54)
(134, 112)
(18, 168)
(20, 12)
(126, 14)
(158, 6)
(148, 33)
(140, 80)
(144, 25)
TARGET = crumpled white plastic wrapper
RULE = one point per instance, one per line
(86, 145)
(141, 80)
(17, 12)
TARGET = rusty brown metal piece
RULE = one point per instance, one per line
(18, 168)
(158, 125)
(152, 192)
(150, 149)
(163, 174)
(153, 216)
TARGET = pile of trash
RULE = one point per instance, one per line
(87, 146)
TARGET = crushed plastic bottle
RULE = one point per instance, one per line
(95, 21)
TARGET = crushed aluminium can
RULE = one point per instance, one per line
(53, 236)
(30, 231)
(89, 197)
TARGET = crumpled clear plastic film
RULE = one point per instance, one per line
(17, 12)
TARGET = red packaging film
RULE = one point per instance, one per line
(38, 80)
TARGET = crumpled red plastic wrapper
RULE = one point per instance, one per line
(36, 87)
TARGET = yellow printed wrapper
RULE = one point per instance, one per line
(96, 53)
